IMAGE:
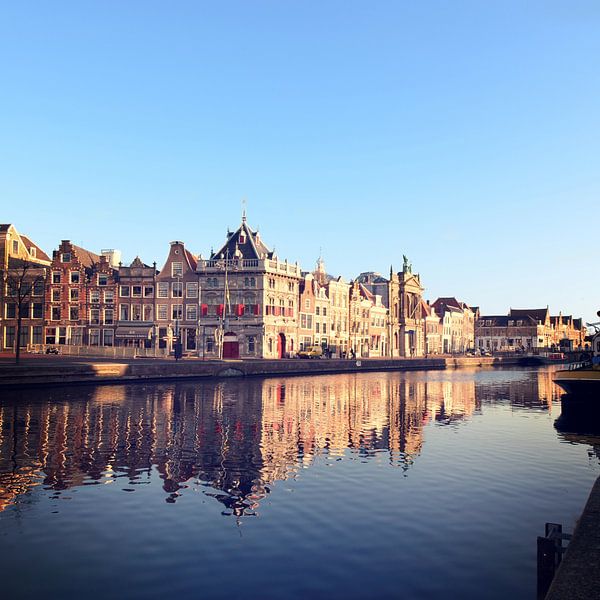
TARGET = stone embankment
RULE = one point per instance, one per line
(578, 577)
(60, 371)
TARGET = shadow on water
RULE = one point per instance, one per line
(579, 420)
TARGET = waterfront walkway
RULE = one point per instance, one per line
(578, 577)
(35, 370)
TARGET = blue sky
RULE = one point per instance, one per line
(465, 135)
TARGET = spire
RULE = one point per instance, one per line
(243, 210)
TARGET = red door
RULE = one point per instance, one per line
(280, 345)
(231, 346)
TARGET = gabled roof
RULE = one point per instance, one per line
(39, 253)
(243, 243)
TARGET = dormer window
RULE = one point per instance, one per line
(242, 237)
(32, 252)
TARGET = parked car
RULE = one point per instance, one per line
(311, 352)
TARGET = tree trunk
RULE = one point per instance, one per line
(18, 337)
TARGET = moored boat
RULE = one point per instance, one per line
(585, 380)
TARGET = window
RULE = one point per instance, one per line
(38, 288)
(95, 316)
(251, 344)
(307, 304)
(136, 291)
(109, 337)
(109, 296)
(290, 286)
(73, 295)
(324, 311)
(9, 336)
(148, 291)
(73, 313)
(177, 311)
(24, 336)
(55, 295)
(163, 289)
(176, 269)
(55, 277)
(94, 337)
(109, 316)
(136, 312)
(124, 291)
(191, 312)
(95, 296)
(148, 312)
(11, 310)
(252, 282)
(162, 312)
(124, 312)
(210, 344)
(191, 289)
(55, 313)
(37, 334)
(102, 279)
(38, 311)
(15, 246)
(74, 277)
(65, 257)
(317, 327)
(32, 252)
(177, 289)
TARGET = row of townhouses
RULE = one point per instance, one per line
(242, 301)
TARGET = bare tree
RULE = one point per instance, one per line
(21, 280)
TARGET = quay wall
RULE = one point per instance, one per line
(59, 372)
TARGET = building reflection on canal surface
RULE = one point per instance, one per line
(237, 436)
(477, 450)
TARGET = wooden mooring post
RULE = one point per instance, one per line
(549, 554)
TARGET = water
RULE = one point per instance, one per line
(380, 485)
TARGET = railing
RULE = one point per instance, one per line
(101, 351)
(233, 264)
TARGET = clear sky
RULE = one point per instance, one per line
(465, 135)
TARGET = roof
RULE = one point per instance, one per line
(4, 227)
(539, 314)
(192, 259)
(39, 253)
(243, 243)
(86, 257)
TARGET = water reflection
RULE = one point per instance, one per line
(234, 438)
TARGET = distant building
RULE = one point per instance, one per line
(521, 329)
(458, 325)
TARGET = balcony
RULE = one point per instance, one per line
(265, 266)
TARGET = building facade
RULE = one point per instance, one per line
(137, 306)
(249, 299)
(23, 266)
(178, 302)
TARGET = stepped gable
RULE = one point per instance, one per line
(244, 244)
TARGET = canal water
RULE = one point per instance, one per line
(378, 485)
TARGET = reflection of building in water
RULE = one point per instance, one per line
(235, 437)
(535, 389)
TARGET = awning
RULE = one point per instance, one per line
(134, 333)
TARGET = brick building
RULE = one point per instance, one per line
(81, 298)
